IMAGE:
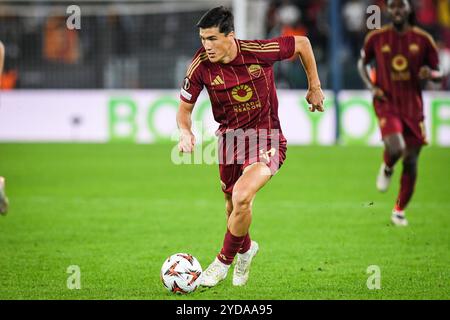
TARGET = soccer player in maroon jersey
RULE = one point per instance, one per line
(238, 76)
(405, 57)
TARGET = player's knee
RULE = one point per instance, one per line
(242, 199)
(395, 146)
(396, 152)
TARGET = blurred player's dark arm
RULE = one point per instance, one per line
(364, 74)
(430, 68)
(426, 73)
(315, 95)
(184, 122)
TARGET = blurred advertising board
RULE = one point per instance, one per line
(148, 116)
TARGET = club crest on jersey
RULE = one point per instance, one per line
(399, 63)
(255, 70)
(242, 93)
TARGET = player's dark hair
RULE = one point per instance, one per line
(218, 17)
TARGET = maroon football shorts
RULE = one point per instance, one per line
(235, 155)
(412, 131)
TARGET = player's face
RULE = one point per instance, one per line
(399, 11)
(217, 45)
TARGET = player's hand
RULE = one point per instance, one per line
(315, 98)
(425, 73)
(187, 141)
(378, 94)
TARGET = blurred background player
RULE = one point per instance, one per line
(405, 56)
(3, 199)
(239, 78)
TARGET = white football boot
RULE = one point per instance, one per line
(3, 198)
(398, 218)
(242, 267)
(216, 272)
(383, 179)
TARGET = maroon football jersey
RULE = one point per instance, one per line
(399, 57)
(242, 92)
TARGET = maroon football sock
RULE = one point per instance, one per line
(246, 244)
(231, 246)
(407, 184)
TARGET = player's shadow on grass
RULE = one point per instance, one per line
(202, 290)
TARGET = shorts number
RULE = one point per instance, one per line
(268, 154)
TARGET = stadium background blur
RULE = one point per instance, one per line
(123, 44)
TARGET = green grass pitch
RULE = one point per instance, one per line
(118, 210)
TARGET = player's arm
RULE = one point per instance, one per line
(426, 73)
(315, 95)
(192, 86)
(430, 70)
(367, 56)
(184, 122)
(364, 74)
